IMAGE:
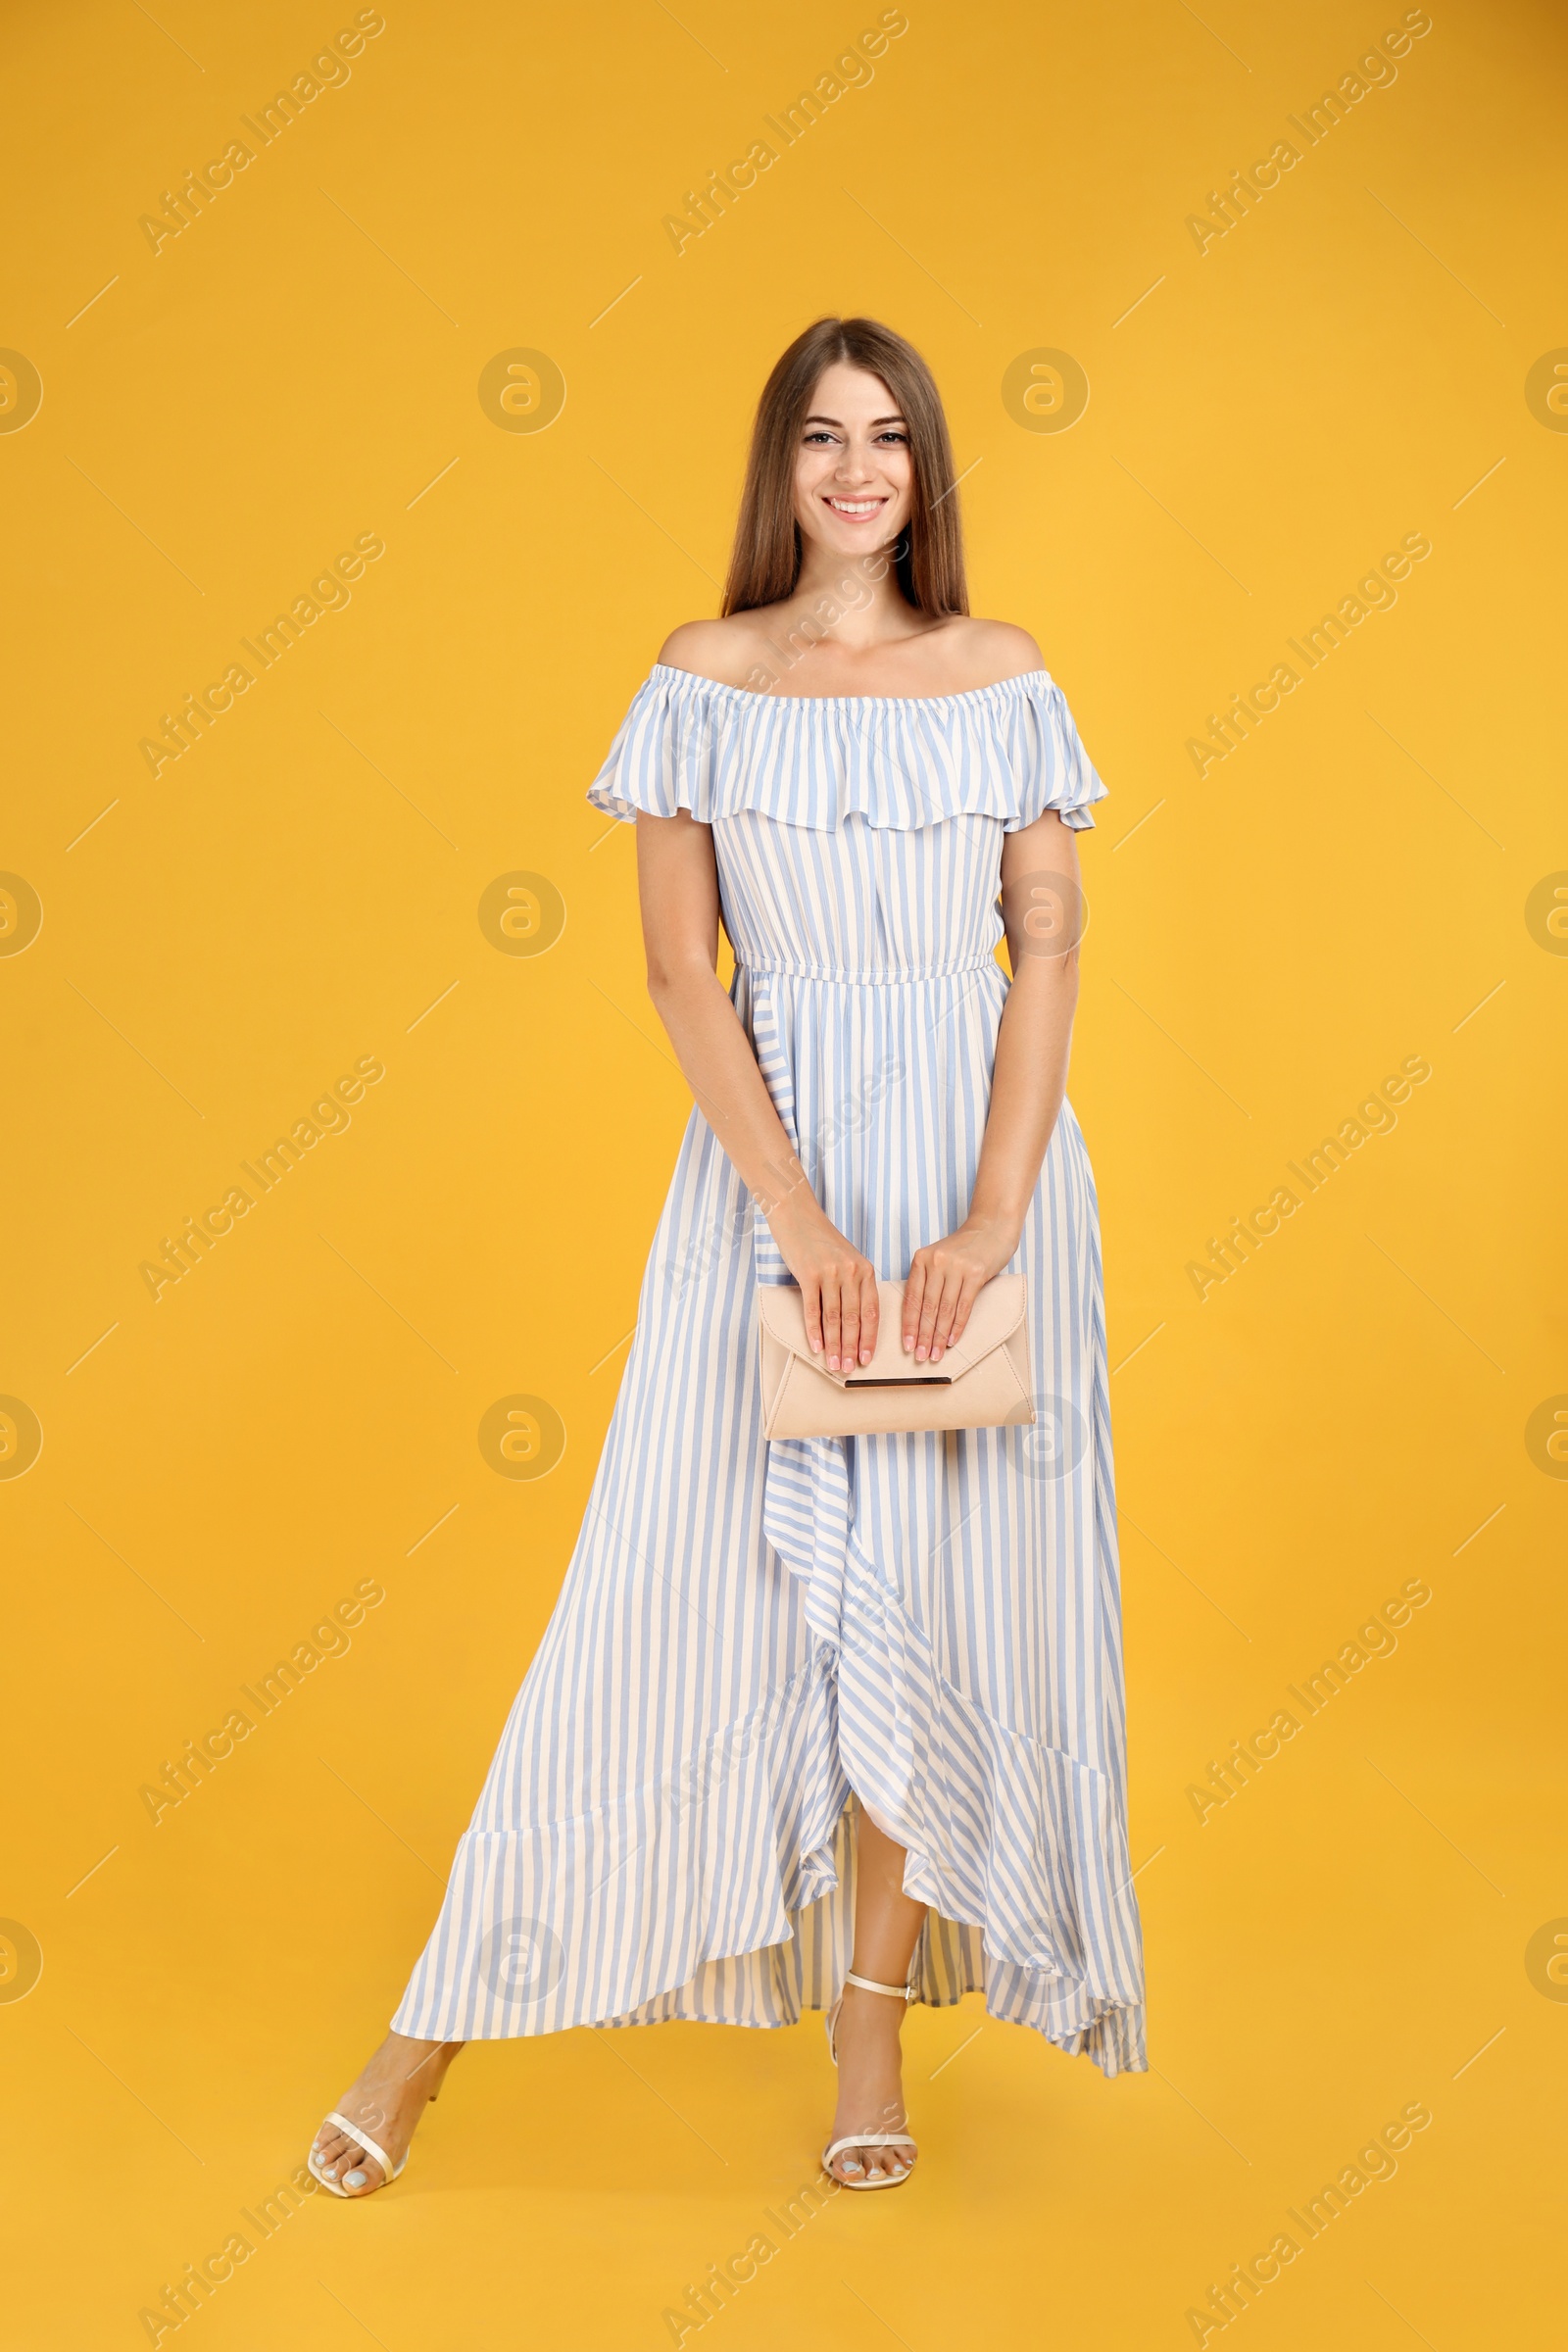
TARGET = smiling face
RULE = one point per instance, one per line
(853, 473)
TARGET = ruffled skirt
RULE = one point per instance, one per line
(749, 1636)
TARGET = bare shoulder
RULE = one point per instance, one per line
(725, 650)
(982, 652)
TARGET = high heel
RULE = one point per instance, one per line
(867, 2139)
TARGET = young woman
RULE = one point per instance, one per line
(817, 1721)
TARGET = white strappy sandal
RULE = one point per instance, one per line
(866, 2139)
(359, 2135)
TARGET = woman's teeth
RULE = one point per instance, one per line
(854, 505)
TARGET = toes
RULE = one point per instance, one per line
(866, 2166)
(357, 2169)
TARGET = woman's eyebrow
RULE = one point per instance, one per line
(839, 422)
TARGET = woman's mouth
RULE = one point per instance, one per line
(856, 509)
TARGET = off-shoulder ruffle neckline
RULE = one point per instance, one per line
(904, 762)
(1022, 680)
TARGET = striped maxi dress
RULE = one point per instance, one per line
(750, 1632)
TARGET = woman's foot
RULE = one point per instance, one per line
(388, 2099)
(870, 2090)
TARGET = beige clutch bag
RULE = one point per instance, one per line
(983, 1383)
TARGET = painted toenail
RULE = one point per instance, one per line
(355, 2180)
(330, 2171)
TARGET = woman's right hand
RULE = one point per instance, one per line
(838, 1286)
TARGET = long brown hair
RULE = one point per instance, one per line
(765, 562)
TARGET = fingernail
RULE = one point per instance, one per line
(355, 2180)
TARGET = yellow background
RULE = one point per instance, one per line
(295, 892)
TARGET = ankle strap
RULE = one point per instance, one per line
(897, 1992)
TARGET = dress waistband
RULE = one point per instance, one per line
(892, 977)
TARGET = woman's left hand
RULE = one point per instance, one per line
(945, 1279)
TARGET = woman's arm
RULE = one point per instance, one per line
(677, 880)
(1041, 907)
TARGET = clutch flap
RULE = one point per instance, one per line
(995, 1317)
(996, 1314)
